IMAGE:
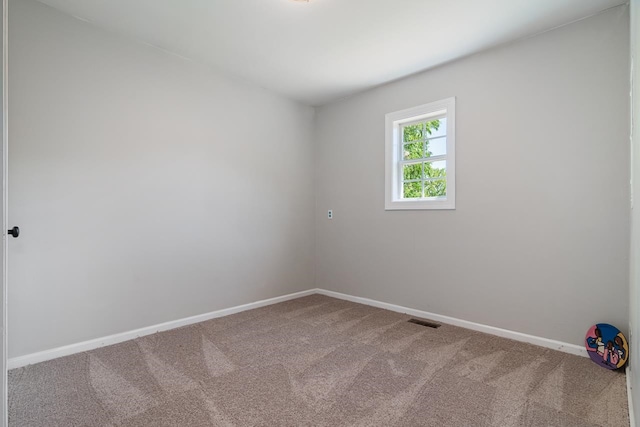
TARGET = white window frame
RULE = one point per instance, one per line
(393, 156)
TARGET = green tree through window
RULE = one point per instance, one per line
(422, 179)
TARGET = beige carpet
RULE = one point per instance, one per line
(318, 361)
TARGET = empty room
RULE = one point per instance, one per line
(320, 213)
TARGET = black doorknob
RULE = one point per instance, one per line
(15, 232)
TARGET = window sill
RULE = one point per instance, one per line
(417, 205)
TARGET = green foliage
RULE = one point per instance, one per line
(435, 188)
(412, 190)
(416, 146)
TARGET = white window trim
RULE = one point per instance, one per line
(393, 142)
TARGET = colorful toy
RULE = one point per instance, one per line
(607, 346)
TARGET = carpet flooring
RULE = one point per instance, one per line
(318, 361)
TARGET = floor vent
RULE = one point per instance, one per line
(425, 323)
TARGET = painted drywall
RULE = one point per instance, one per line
(539, 240)
(634, 297)
(147, 188)
(4, 418)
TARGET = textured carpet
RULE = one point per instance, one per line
(318, 361)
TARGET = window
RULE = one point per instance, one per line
(420, 157)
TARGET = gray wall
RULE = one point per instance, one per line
(147, 188)
(634, 299)
(3, 296)
(539, 239)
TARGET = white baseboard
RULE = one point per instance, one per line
(504, 333)
(30, 359)
(632, 417)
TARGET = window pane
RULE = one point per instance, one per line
(436, 128)
(413, 150)
(412, 190)
(436, 188)
(436, 147)
(412, 172)
(435, 169)
(413, 132)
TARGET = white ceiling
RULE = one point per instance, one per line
(323, 50)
